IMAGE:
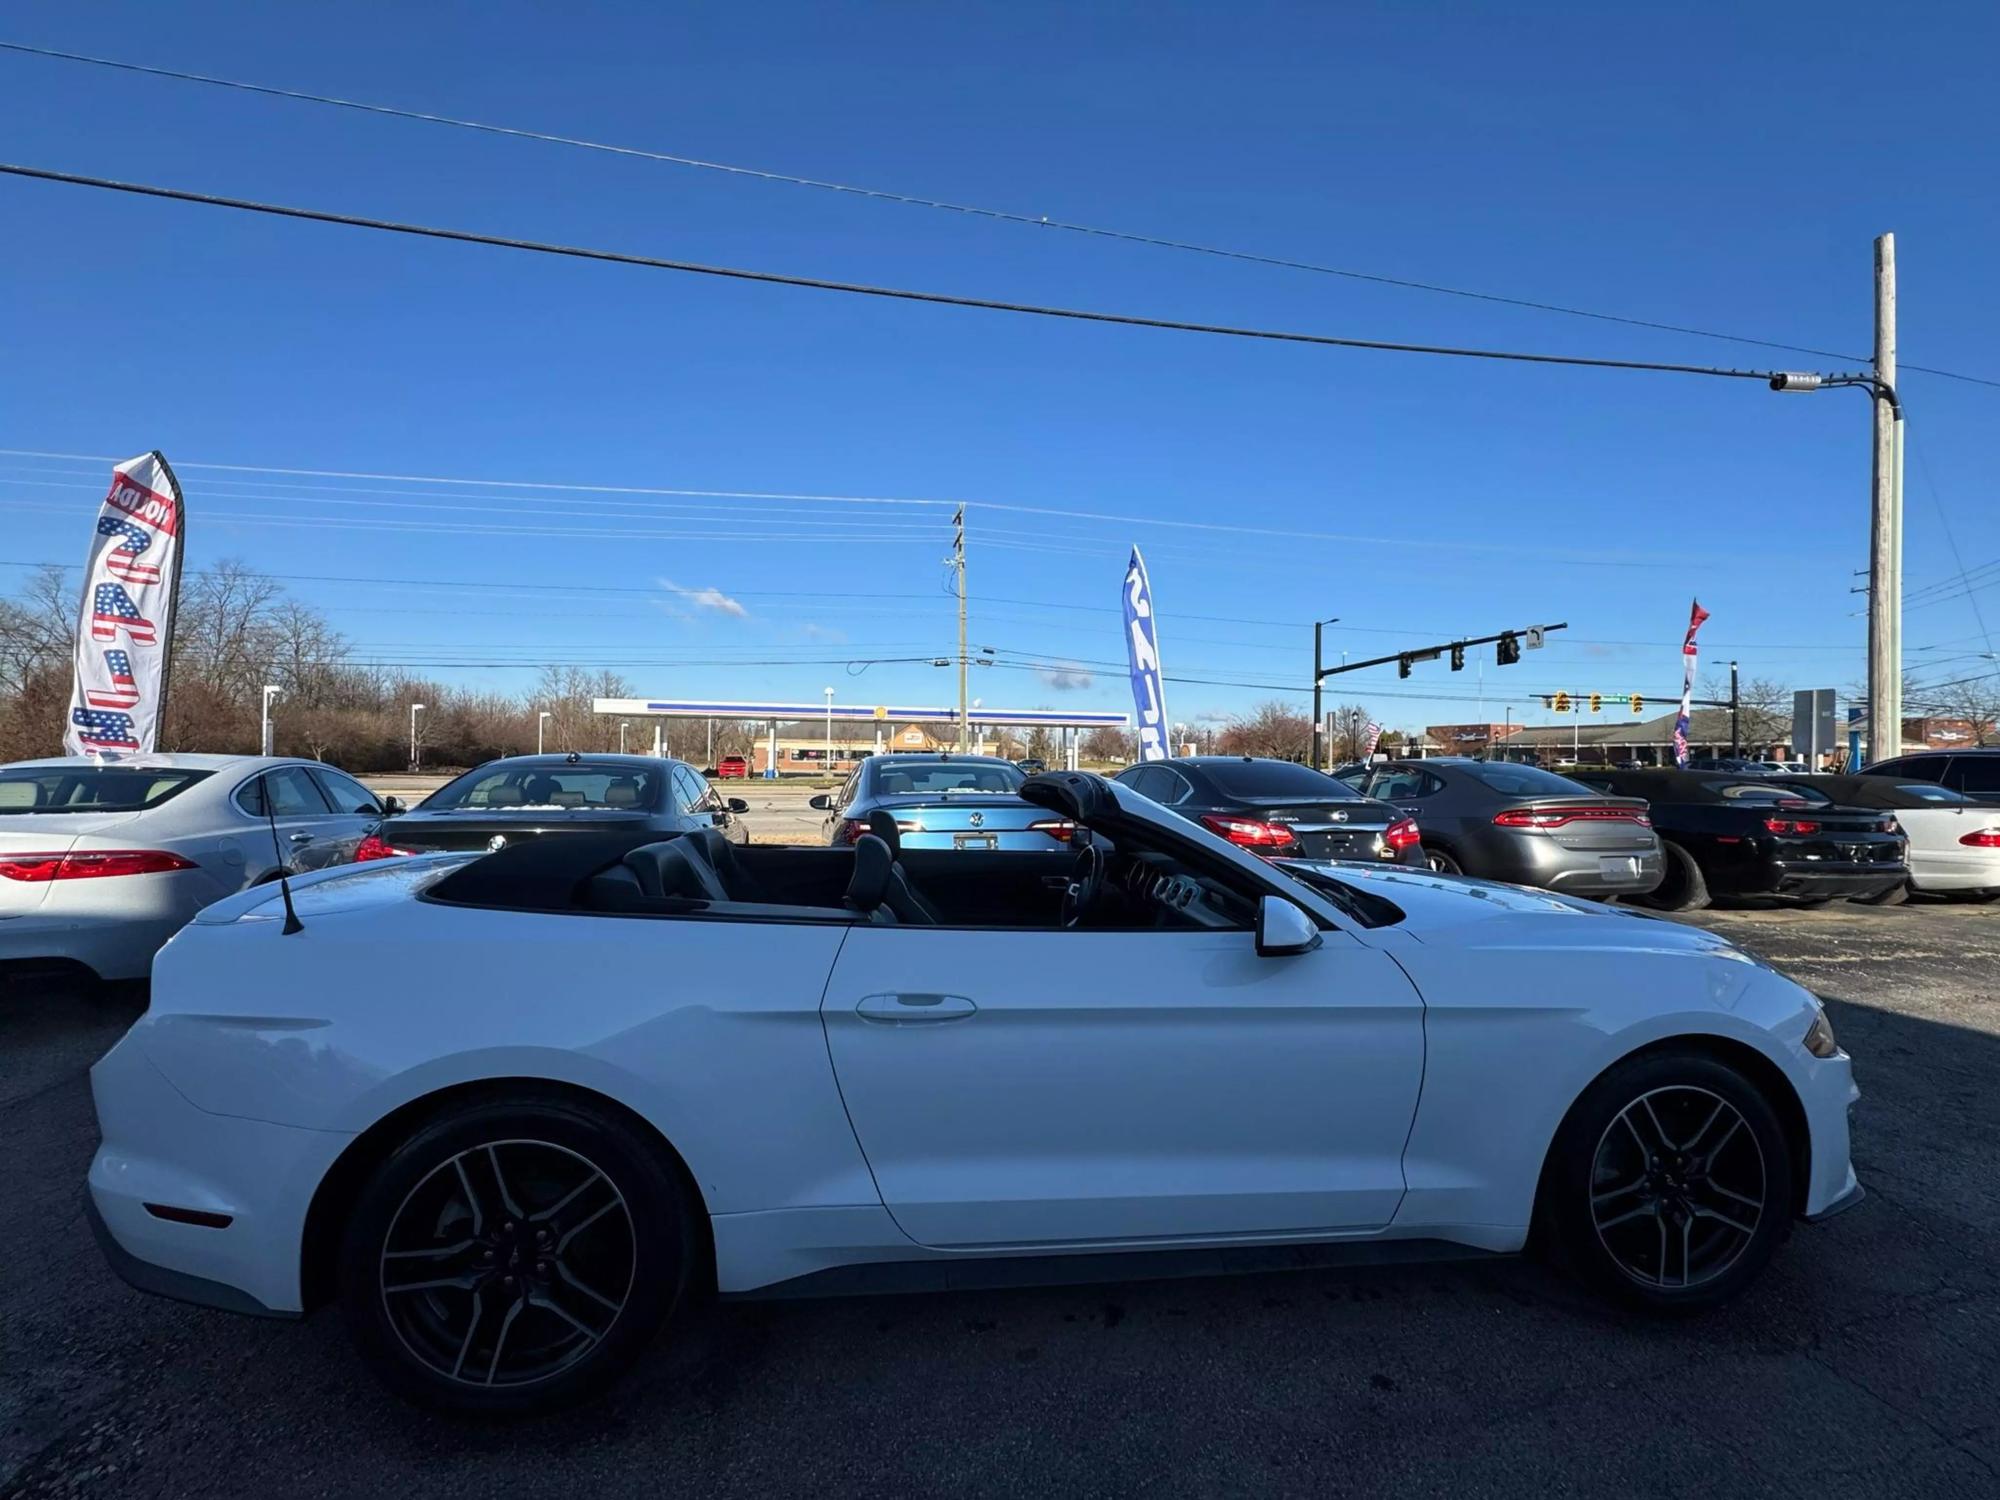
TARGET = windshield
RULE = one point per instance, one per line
(542, 787)
(902, 778)
(1364, 906)
(1523, 781)
(91, 789)
(1276, 778)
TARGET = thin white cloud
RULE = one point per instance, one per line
(707, 598)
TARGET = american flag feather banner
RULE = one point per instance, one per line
(126, 630)
(1695, 617)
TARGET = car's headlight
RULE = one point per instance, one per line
(1819, 1036)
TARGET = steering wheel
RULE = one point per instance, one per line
(1086, 878)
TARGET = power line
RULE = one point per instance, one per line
(864, 289)
(1038, 221)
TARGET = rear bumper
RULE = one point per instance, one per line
(1539, 861)
(1817, 880)
(112, 927)
(1955, 870)
(158, 1148)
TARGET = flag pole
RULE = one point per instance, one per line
(174, 591)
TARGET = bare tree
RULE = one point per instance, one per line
(1271, 729)
(1350, 733)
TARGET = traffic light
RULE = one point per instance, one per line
(1458, 658)
(1597, 703)
(1402, 666)
(1508, 650)
(1638, 703)
(1562, 703)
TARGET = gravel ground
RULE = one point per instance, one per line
(1864, 1363)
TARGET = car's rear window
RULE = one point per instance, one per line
(542, 787)
(1276, 778)
(1523, 781)
(901, 778)
(91, 789)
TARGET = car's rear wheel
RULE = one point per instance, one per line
(1684, 889)
(513, 1255)
(1440, 862)
(1670, 1184)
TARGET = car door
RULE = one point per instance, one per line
(300, 811)
(1051, 1087)
(356, 813)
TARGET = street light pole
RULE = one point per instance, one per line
(1319, 672)
(1735, 714)
(264, 734)
(621, 735)
(828, 765)
(1885, 536)
(541, 724)
(416, 751)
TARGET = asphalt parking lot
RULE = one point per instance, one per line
(1865, 1362)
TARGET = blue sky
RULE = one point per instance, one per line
(1718, 166)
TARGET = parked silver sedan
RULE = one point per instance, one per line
(102, 862)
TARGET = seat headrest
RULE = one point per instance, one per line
(505, 796)
(873, 866)
(566, 799)
(624, 792)
(675, 867)
(882, 823)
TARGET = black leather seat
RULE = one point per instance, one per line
(881, 881)
(675, 868)
(721, 857)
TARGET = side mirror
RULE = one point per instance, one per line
(1283, 928)
(393, 807)
(821, 803)
(738, 805)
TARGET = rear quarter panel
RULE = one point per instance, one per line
(708, 1029)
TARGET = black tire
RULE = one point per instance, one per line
(1896, 895)
(1440, 862)
(1684, 889)
(630, 1223)
(1608, 1230)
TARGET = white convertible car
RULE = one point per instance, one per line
(511, 1111)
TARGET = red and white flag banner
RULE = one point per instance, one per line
(127, 625)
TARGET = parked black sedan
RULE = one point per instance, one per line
(1521, 824)
(1733, 835)
(535, 796)
(1277, 808)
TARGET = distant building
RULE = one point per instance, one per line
(1468, 739)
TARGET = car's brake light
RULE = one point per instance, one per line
(1557, 817)
(89, 864)
(851, 830)
(375, 847)
(1791, 825)
(1984, 838)
(1059, 829)
(1402, 833)
(1249, 833)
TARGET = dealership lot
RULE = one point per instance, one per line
(1866, 1356)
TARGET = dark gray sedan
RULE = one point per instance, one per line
(1277, 808)
(942, 802)
(1521, 824)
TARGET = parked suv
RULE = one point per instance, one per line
(1976, 773)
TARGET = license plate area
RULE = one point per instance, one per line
(1618, 867)
(975, 841)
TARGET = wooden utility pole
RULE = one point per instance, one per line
(1885, 532)
(958, 563)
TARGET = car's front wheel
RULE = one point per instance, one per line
(1670, 1184)
(1440, 862)
(514, 1255)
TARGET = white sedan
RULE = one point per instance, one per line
(102, 861)
(510, 1111)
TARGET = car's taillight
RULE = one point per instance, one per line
(374, 847)
(1402, 833)
(1984, 838)
(1791, 825)
(851, 830)
(1059, 829)
(1249, 833)
(1557, 817)
(89, 864)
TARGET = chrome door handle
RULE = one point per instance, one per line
(914, 1008)
(302, 838)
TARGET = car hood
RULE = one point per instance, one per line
(1454, 910)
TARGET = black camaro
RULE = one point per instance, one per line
(1732, 835)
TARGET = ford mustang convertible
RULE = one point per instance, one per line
(509, 1112)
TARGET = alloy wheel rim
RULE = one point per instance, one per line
(508, 1263)
(1678, 1187)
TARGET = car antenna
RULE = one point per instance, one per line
(292, 922)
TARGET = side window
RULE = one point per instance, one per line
(687, 795)
(1174, 788)
(849, 790)
(1975, 775)
(346, 794)
(1917, 768)
(1402, 783)
(1147, 782)
(292, 793)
